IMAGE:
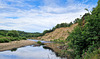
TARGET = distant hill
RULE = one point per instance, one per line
(21, 33)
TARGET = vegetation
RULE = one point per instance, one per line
(12, 35)
(85, 39)
(59, 40)
(18, 33)
(93, 55)
(39, 42)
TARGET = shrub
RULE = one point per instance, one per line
(24, 38)
(2, 40)
(39, 42)
(93, 55)
(13, 33)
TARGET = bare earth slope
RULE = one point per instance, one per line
(59, 33)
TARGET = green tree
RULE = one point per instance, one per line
(13, 33)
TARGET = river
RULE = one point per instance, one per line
(29, 52)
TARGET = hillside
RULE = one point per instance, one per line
(59, 33)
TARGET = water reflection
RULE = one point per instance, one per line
(39, 40)
(14, 49)
(29, 52)
(57, 54)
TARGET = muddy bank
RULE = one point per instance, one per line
(59, 49)
(15, 44)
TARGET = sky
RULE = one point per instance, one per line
(40, 15)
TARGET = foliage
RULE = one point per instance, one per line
(8, 39)
(27, 34)
(13, 33)
(19, 33)
(93, 55)
(23, 38)
(39, 42)
(86, 36)
(10, 35)
(59, 40)
(76, 20)
(2, 40)
(3, 32)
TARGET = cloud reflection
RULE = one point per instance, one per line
(29, 52)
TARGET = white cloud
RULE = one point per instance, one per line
(40, 19)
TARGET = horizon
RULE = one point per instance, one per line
(37, 16)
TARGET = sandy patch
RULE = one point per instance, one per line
(15, 44)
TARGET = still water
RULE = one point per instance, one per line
(29, 52)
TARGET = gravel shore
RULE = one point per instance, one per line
(15, 44)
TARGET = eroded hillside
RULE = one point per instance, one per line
(59, 33)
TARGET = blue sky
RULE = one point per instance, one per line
(39, 15)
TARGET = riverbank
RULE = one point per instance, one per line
(15, 44)
(58, 48)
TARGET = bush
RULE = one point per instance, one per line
(2, 40)
(1, 36)
(16, 39)
(24, 38)
(39, 42)
(93, 55)
(13, 33)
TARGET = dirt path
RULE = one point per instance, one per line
(15, 44)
